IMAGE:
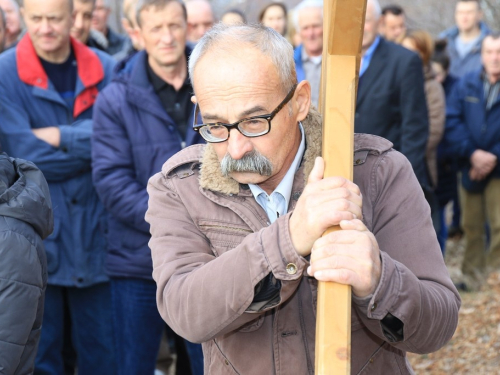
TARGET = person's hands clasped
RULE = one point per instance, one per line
(348, 256)
(324, 203)
(483, 163)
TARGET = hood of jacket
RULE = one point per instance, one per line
(24, 194)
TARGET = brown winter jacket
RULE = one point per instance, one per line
(436, 105)
(212, 245)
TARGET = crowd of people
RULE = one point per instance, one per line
(100, 112)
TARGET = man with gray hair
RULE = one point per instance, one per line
(236, 225)
(100, 15)
(12, 22)
(308, 19)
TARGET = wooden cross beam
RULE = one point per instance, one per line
(343, 25)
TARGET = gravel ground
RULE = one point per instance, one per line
(475, 347)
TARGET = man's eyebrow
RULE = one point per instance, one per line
(246, 113)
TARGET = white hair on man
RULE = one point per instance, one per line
(266, 40)
(305, 4)
(377, 9)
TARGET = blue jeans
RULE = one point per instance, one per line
(138, 328)
(137, 325)
(91, 332)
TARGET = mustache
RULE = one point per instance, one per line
(251, 162)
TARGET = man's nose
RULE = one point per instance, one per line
(45, 28)
(78, 22)
(166, 36)
(238, 145)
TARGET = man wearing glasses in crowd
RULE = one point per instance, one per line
(233, 224)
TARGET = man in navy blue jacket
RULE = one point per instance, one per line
(473, 133)
(141, 119)
(48, 85)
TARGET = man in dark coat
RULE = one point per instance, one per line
(48, 85)
(391, 98)
(473, 136)
(25, 219)
(141, 119)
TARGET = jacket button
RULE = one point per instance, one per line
(74, 201)
(374, 306)
(291, 269)
(226, 362)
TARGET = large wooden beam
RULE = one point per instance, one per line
(343, 34)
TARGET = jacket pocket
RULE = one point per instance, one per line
(51, 248)
(223, 236)
(219, 364)
(386, 360)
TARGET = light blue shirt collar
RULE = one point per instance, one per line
(277, 203)
(367, 58)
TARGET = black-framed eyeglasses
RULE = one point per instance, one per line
(255, 126)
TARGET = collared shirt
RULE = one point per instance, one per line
(276, 204)
(312, 70)
(490, 90)
(367, 57)
(177, 104)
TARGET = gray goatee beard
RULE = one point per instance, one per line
(251, 162)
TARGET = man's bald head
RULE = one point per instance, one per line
(48, 23)
(200, 18)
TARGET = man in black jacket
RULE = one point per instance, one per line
(25, 219)
(391, 98)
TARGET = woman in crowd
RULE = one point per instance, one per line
(447, 189)
(274, 15)
(233, 17)
(421, 42)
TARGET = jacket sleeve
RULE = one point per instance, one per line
(56, 163)
(21, 297)
(414, 116)
(415, 286)
(190, 278)
(113, 168)
(457, 135)
(437, 111)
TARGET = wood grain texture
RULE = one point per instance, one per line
(343, 30)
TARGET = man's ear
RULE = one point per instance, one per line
(194, 100)
(302, 99)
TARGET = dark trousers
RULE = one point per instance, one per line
(89, 310)
(138, 328)
(137, 325)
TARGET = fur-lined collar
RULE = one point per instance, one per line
(211, 177)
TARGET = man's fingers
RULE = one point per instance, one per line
(318, 170)
(355, 224)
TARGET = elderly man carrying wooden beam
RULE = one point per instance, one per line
(234, 223)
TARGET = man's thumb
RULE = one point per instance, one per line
(318, 170)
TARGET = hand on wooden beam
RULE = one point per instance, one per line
(350, 256)
(324, 203)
